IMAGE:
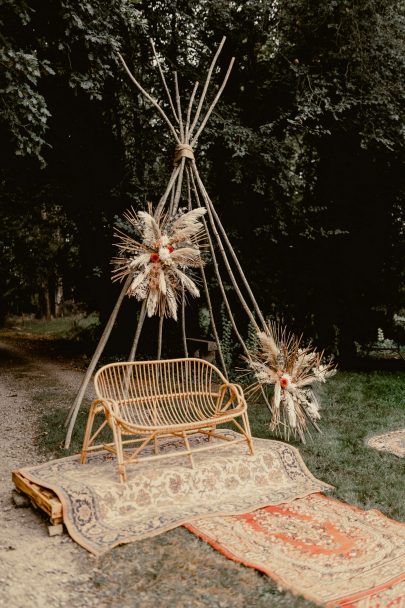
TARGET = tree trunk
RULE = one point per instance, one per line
(45, 302)
(59, 298)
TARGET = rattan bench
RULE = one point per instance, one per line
(147, 400)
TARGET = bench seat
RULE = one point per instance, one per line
(143, 401)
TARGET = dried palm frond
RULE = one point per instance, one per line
(279, 360)
(159, 260)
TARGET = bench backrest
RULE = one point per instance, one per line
(141, 380)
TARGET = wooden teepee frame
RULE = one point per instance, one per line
(185, 181)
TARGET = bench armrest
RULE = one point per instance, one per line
(230, 395)
(109, 406)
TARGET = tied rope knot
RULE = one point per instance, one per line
(183, 150)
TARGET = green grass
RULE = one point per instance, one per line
(159, 570)
(355, 407)
(61, 328)
(358, 406)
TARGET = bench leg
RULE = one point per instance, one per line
(87, 435)
(212, 431)
(244, 428)
(249, 440)
(186, 441)
(120, 453)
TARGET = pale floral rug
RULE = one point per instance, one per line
(393, 442)
(325, 550)
(100, 513)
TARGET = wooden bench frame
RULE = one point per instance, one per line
(148, 400)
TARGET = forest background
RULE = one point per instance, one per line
(302, 157)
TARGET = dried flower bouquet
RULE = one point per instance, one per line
(160, 259)
(281, 361)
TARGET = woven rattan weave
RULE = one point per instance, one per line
(146, 400)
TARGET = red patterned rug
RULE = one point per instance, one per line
(325, 550)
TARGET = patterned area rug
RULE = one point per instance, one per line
(100, 513)
(331, 553)
(393, 442)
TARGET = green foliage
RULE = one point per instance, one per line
(302, 156)
(316, 147)
(252, 339)
(204, 321)
(38, 244)
(228, 344)
(77, 43)
(23, 109)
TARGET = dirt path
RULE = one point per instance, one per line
(36, 570)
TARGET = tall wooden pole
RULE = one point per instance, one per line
(74, 410)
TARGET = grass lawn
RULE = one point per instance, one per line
(356, 406)
(61, 328)
(178, 569)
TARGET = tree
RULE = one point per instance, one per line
(302, 156)
(315, 132)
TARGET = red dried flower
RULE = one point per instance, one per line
(284, 382)
(170, 249)
(154, 257)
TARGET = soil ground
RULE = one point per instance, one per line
(174, 569)
(36, 570)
